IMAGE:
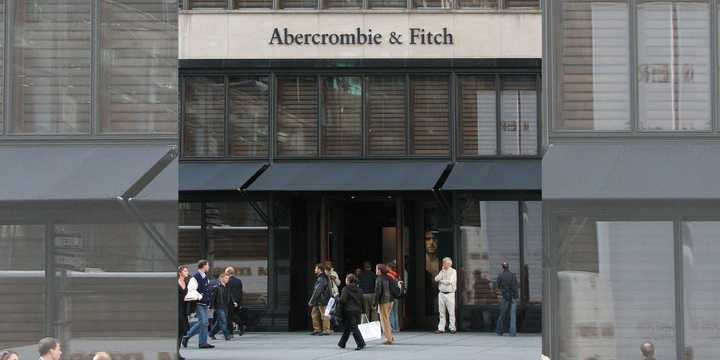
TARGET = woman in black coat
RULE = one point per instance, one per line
(183, 312)
(350, 308)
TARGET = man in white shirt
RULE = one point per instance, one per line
(447, 284)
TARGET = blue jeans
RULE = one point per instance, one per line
(200, 327)
(506, 305)
(220, 323)
(394, 316)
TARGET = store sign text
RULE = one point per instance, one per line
(414, 36)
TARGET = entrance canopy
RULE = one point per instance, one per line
(685, 171)
(213, 176)
(351, 176)
(492, 175)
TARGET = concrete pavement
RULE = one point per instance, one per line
(408, 346)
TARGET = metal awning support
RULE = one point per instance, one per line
(439, 196)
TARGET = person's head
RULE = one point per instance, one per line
(367, 266)
(224, 277)
(49, 349)
(230, 271)
(351, 279)
(505, 266)
(381, 269)
(358, 271)
(102, 356)
(328, 265)
(446, 263)
(183, 272)
(318, 268)
(648, 350)
(9, 355)
(203, 266)
(431, 244)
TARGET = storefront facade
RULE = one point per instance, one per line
(630, 196)
(363, 131)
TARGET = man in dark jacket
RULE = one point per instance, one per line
(349, 309)
(222, 303)
(507, 284)
(236, 289)
(201, 281)
(366, 281)
(319, 299)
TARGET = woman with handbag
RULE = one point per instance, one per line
(349, 310)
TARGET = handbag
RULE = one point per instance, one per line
(370, 330)
(192, 293)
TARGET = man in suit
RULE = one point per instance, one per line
(236, 291)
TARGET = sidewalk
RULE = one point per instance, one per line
(408, 346)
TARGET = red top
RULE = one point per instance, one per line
(392, 275)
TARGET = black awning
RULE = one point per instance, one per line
(378, 175)
(214, 176)
(640, 171)
(79, 172)
(495, 175)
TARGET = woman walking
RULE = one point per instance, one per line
(182, 275)
(384, 299)
(350, 308)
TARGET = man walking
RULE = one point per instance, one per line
(199, 290)
(319, 299)
(222, 303)
(236, 291)
(447, 284)
(49, 349)
(366, 281)
(507, 284)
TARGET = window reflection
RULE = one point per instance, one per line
(341, 125)
(204, 114)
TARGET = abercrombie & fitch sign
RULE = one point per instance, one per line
(414, 36)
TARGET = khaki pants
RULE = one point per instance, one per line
(385, 310)
(446, 302)
(319, 322)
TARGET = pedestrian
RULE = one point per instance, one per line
(366, 281)
(320, 296)
(9, 355)
(447, 284)
(383, 299)
(222, 303)
(236, 291)
(350, 308)
(199, 291)
(102, 356)
(394, 276)
(49, 349)
(334, 278)
(183, 309)
(507, 284)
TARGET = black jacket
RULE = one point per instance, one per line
(321, 291)
(222, 298)
(236, 289)
(508, 285)
(366, 281)
(350, 301)
(382, 290)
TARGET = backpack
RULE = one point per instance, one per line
(398, 290)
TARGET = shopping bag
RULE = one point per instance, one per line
(370, 330)
(329, 307)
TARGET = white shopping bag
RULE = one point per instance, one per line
(329, 307)
(370, 330)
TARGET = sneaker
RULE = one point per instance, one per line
(315, 333)
(207, 346)
(341, 346)
(360, 347)
(227, 338)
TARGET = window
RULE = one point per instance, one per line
(189, 230)
(204, 117)
(347, 4)
(245, 4)
(433, 4)
(376, 4)
(429, 117)
(249, 110)
(520, 4)
(341, 125)
(139, 67)
(531, 280)
(52, 70)
(519, 122)
(701, 274)
(479, 4)
(387, 115)
(594, 66)
(208, 4)
(674, 66)
(298, 4)
(477, 114)
(297, 126)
